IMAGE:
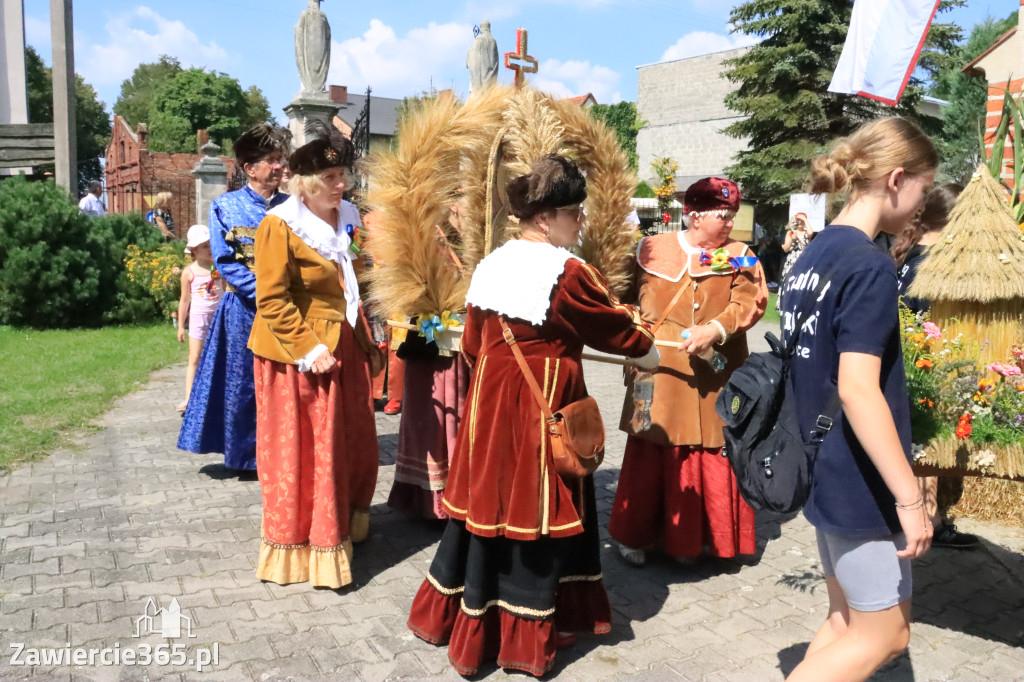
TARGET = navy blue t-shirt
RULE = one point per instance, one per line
(854, 311)
(906, 275)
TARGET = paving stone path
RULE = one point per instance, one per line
(90, 534)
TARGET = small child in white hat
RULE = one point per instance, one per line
(201, 291)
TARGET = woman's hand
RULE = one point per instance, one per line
(181, 334)
(917, 528)
(700, 339)
(324, 363)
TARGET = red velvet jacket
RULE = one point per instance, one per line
(502, 480)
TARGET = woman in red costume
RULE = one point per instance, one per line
(676, 489)
(519, 567)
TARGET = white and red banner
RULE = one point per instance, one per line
(882, 47)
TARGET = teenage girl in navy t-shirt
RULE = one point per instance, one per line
(864, 502)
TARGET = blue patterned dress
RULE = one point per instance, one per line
(221, 412)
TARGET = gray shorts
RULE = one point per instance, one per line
(869, 573)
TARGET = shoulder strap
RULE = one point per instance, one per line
(670, 308)
(531, 380)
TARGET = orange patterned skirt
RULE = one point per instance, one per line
(316, 456)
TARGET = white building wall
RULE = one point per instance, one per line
(683, 104)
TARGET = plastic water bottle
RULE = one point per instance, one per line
(643, 396)
(710, 356)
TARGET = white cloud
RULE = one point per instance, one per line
(400, 66)
(37, 34)
(142, 35)
(704, 42)
(571, 78)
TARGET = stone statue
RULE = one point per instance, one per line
(313, 49)
(482, 60)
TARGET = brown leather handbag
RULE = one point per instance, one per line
(576, 431)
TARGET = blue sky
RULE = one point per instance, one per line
(401, 47)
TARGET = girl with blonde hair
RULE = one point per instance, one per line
(865, 502)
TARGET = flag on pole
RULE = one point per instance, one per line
(882, 47)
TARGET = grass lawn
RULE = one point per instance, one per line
(771, 315)
(53, 382)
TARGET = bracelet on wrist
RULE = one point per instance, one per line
(916, 504)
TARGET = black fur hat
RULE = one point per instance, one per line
(553, 182)
(260, 140)
(329, 149)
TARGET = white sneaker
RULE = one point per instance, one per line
(636, 557)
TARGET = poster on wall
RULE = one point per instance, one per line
(811, 205)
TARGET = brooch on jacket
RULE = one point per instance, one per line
(721, 261)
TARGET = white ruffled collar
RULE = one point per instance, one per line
(517, 278)
(330, 242)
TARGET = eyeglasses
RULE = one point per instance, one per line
(576, 211)
(272, 160)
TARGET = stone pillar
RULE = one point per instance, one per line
(304, 109)
(13, 84)
(64, 143)
(211, 180)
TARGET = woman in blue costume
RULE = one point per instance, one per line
(221, 412)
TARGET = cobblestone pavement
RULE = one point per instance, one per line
(95, 530)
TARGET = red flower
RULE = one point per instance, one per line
(963, 429)
(666, 217)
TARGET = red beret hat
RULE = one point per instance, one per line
(711, 194)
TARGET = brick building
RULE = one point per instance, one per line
(1002, 65)
(135, 175)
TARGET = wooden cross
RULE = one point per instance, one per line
(528, 65)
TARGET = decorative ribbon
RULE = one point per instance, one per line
(435, 324)
(214, 276)
(355, 236)
(721, 261)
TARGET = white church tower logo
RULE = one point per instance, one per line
(169, 622)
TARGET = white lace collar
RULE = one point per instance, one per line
(330, 242)
(517, 278)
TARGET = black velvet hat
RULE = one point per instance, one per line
(330, 149)
(260, 140)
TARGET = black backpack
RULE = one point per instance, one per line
(772, 460)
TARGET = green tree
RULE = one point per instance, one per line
(92, 124)
(783, 92)
(137, 92)
(195, 100)
(622, 118)
(257, 108)
(177, 103)
(959, 138)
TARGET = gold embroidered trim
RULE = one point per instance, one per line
(567, 525)
(315, 548)
(448, 592)
(511, 608)
(244, 232)
(455, 509)
(278, 545)
(613, 301)
(473, 408)
(545, 496)
(581, 578)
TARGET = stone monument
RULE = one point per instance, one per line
(482, 60)
(313, 58)
(211, 180)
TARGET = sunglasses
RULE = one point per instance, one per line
(575, 211)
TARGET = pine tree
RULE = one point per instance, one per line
(783, 93)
